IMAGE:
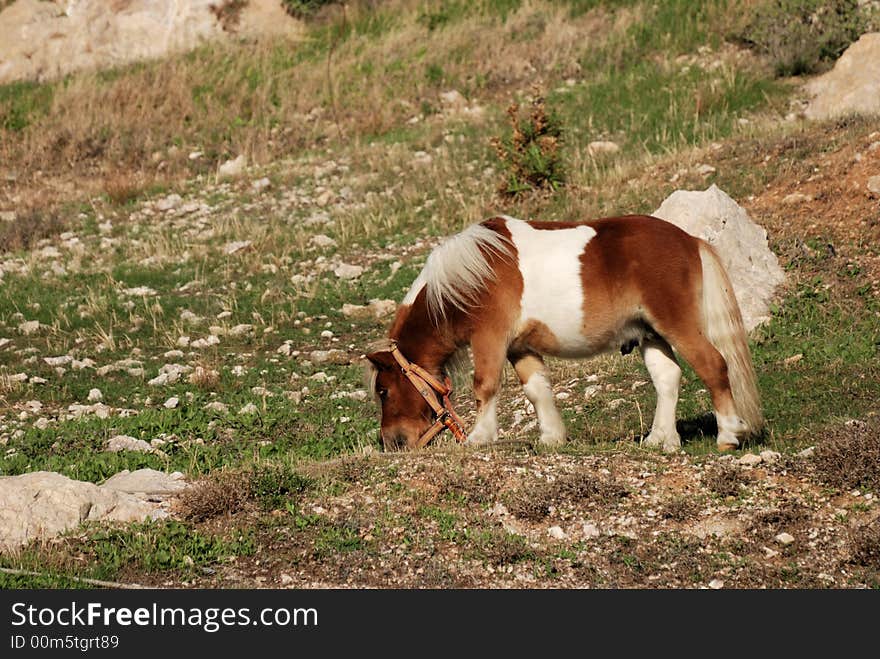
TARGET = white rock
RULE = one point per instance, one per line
(874, 184)
(241, 330)
(716, 584)
(326, 334)
(742, 244)
(217, 406)
(95, 395)
(332, 356)
(139, 291)
(602, 146)
(796, 198)
(42, 504)
(852, 86)
(168, 203)
(770, 553)
(145, 481)
(563, 395)
(750, 460)
(784, 538)
(284, 349)
(807, 452)
(453, 99)
(237, 246)
(375, 309)
(232, 168)
(171, 403)
(250, 408)
(61, 360)
(348, 271)
(29, 327)
(320, 240)
(705, 170)
(556, 532)
(590, 530)
(770, 456)
(261, 184)
(127, 443)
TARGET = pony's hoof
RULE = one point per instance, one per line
(669, 443)
(479, 439)
(552, 440)
(727, 441)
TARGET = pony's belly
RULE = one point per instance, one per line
(557, 339)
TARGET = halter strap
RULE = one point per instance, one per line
(436, 394)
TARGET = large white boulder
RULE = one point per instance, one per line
(852, 86)
(45, 40)
(43, 504)
(716, 218)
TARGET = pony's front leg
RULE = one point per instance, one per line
(532, 375)
(489, 354)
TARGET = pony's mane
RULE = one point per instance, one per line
(458, 270)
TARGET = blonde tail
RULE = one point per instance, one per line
(725, 330)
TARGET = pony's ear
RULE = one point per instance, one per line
(381, 359)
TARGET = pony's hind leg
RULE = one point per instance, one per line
(532, 375)
(666, 376)
(711, 368)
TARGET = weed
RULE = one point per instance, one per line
(864, 545)
(530, 154)
(533, 503)
(273, 485)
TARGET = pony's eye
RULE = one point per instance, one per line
(383, 393)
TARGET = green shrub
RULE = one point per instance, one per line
(530, 153)
(803, 36)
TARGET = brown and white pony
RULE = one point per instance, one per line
(515, 290)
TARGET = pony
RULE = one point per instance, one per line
(517, 291)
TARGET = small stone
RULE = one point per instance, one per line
(320, 240)
(286, 579)
(347, 271)
(705, 170)
(796, 198)
(241, 330)
(556, 532)
(250, 408)
(127, 443)
(237, 246)
(807, 452)
(284, 349)
(602, 146)
(750, 460)
(770, 553)
(29, 327)
(332, 356)
(794, 359)
(171, 403)
(591, 391)
(784, 539)
(261, 184)
(168, 203)
(217, 406)
(563, 395)
(770, 456)
(232, 168)
(874, 184)
(95, 395)
(590, 530)
(716, 584)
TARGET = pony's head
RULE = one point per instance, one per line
(405, 414)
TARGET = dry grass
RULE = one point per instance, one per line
(849, 456)
(29, 227)
(864, 544)
(724, 480)
(533, 503)
(223, 493)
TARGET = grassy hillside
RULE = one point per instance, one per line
(128, 259)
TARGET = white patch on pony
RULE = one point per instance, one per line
(457, 270)
(537, 389)
(549, 261)
(486, 428)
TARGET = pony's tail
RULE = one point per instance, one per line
(725, 330)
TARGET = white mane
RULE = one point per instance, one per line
(457, 270)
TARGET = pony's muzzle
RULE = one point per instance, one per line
(394, 441)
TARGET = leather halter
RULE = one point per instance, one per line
(436, 394)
